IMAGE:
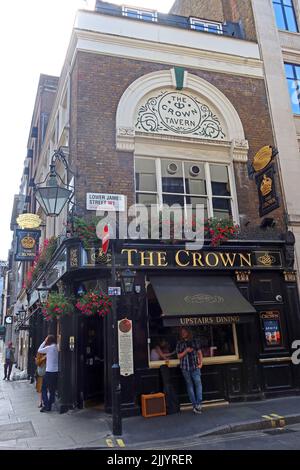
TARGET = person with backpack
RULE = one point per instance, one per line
(9, 361)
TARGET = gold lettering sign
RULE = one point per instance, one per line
(185, 259)
(213, 320)
(262, 158)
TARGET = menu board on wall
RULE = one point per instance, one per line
(125, 347)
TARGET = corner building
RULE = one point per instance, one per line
(164, 110)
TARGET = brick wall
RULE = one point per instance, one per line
(98, 83)
(220, 10)
(208, 9)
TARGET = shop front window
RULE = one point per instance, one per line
(218, 343)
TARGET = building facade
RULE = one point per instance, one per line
(275, 26)
(163, 109)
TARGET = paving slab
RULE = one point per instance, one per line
(23, 426)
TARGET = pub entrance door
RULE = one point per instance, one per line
(91, 358)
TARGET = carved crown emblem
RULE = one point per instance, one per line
(28, 242)
(266, 185)
(267, 260)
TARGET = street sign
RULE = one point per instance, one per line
(105, 202)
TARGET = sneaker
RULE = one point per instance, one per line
(44, 410)
(199, 408)
(197, 411)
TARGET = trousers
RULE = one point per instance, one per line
(194, 385)
(49, 385)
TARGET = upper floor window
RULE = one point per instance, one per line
(292, 72)
(208, 26)
(285, 15)
(146, 15)
(166, 181)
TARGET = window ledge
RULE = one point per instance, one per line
(207, 361)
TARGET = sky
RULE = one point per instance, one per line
(34, 37)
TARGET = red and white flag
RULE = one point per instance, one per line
(105, 239)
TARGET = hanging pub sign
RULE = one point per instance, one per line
(262, 160)
(28, 220)
(268, 199)
(27, 244)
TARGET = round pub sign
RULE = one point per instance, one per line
(262, 158)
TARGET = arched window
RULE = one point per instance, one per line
(186, 136)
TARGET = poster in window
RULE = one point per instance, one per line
(272, 332)
(272, 329)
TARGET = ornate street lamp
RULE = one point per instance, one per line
(54, 194)
(43, 292)
(127, 279)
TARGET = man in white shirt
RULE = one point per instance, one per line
(49, 348)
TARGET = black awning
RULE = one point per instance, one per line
(216, 298)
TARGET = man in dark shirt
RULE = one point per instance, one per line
(191, 360)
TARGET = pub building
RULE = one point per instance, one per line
(182, 121)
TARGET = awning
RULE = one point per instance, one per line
(197, 300)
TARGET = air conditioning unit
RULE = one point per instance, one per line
(153, 405)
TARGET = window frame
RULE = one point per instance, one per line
(209, 194)
(139, 12)
(284, 15)
(197, 21)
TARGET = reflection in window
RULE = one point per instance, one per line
(285, 15)
(292, 73)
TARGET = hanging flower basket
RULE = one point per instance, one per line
(94, 303)
(57, 306)
(221, 230)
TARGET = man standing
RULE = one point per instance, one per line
(191, 360)
(9, 361)
(49, 348)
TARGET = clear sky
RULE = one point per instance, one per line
(34, 36)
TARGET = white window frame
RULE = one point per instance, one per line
(139, 13)
(197, 21)
(209, 196)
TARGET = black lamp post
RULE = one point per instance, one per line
(21, 317)
(52, 194)
(43, 292)
(127, 279)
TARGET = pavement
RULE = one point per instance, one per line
(22, 426)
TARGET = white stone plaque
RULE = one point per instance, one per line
(125, 347)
